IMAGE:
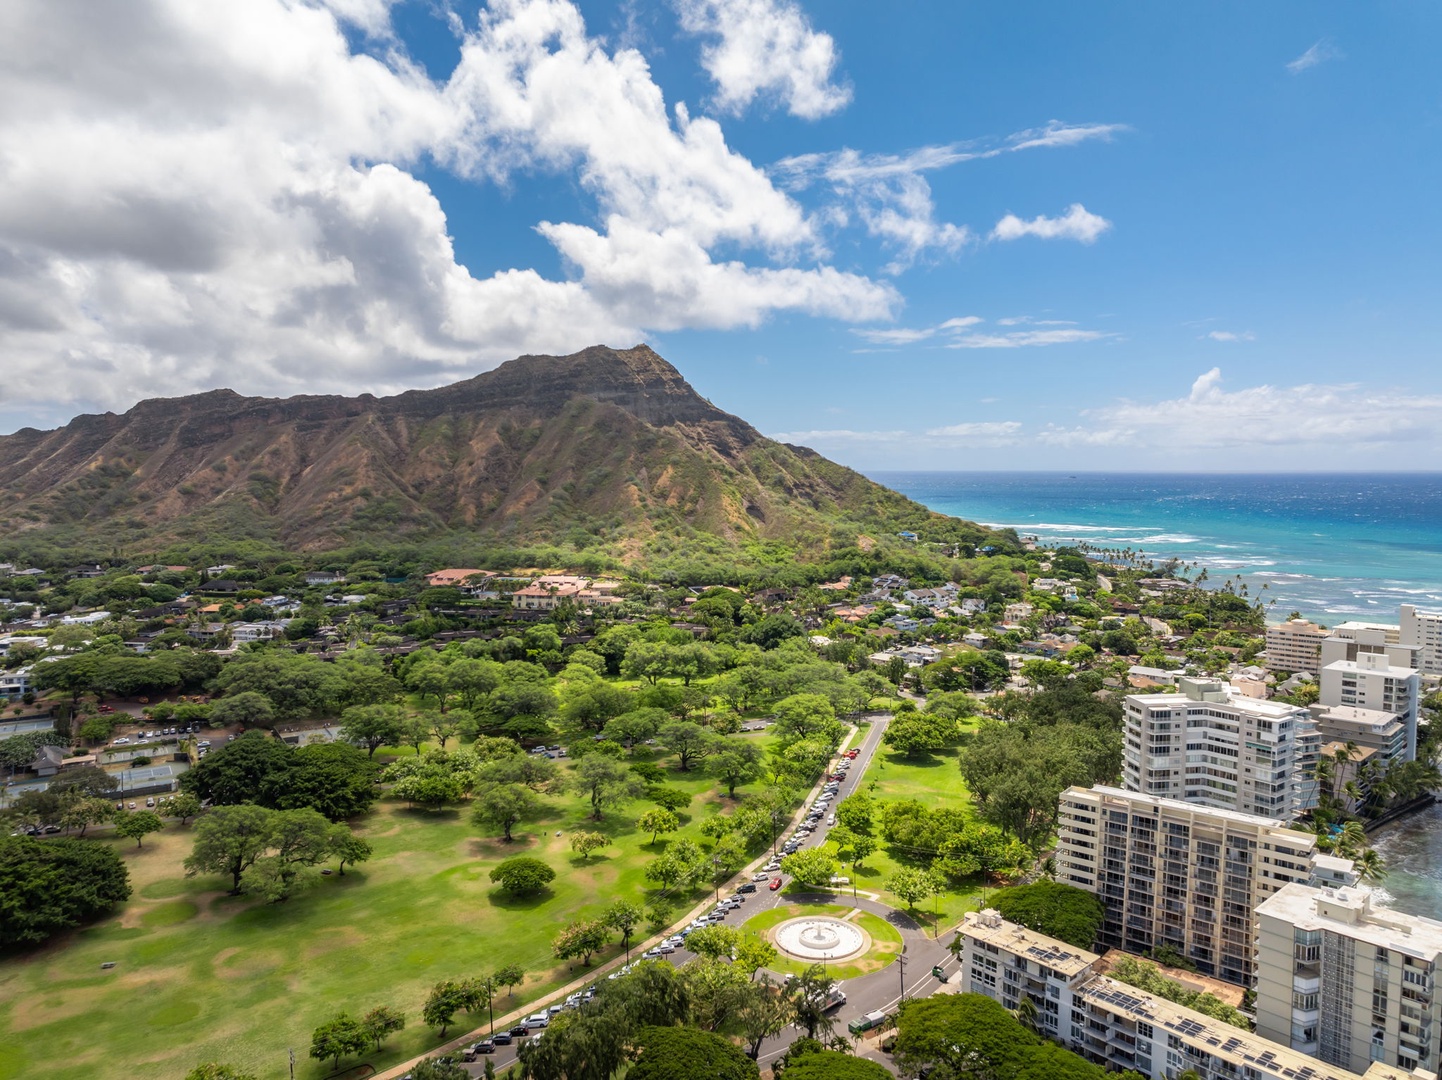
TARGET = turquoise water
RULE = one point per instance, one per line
(1334, 547)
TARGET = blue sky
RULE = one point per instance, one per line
(920, 235)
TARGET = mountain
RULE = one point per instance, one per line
(604, 445)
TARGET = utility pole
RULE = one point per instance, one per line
(901, 971)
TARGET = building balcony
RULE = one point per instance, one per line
(1306, 984)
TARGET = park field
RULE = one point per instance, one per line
(203, 976)
(934, 779)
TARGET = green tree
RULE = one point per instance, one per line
(1049, 907)
(911, 885)
(445, 1000)
(855, 812)
(834, 1065)
(657, 821)
(689, 741)
(802, 716)
(380, 1022)
(441, 1068)
(228, 840)
(82, 812)
(334, 779)
(53, 885)
(431, 788)
(523, 874)
(342, 1036)
(714, 942)
(214, 1070)
(347, 847)
(811, 866)
(373, 726)
(810, 994)
(580, 939)
(605, 783)
(183, 805)
(735, 762)
(248, 709)
(509, 976)
(583, 843)
(137, 824)
(299, 840)
(624, 916)
(765, 1012)
(502, 806)
(251, 769)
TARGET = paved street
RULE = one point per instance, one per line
(879, 991)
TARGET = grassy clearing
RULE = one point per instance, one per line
(203, 976)
(886, 940)
(934, 779)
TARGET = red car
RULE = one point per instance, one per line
(775, 884)
(852, 753)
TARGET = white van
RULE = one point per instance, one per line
(538, 1020)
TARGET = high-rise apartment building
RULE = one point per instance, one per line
(1207, 745)
(1119, 1026)
(1295, 645)
(1177, 873)
(1424, 630)
(1345, 979)
(1385, 692)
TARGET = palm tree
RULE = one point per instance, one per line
(1352, 840)
(1026, 1012)
(1370, 866)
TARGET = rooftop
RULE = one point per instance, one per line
(1222, 1040)
(1235, 817)
(990, 927)
(1355, 912)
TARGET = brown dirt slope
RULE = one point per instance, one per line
(605, 439)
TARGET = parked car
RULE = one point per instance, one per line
(748, 887)
(502, 1038)
(775, 884)
(520, 1031)
(122, 741)
(760, 876)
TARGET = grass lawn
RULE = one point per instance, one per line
(886, 941)
(934, 779)
(202, 976)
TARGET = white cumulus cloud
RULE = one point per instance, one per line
(1231, 335)
(228, 195)
(889, 193)
(1076, 224)
(766, 49)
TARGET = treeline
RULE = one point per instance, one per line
(972, 1037)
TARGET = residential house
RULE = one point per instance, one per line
(538, 597)
(264, 630)
(442, 579)
(323, 577)
(1017, 612)
(15, 684)
(972, 606)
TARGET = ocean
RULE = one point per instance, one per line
(1332, 547)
